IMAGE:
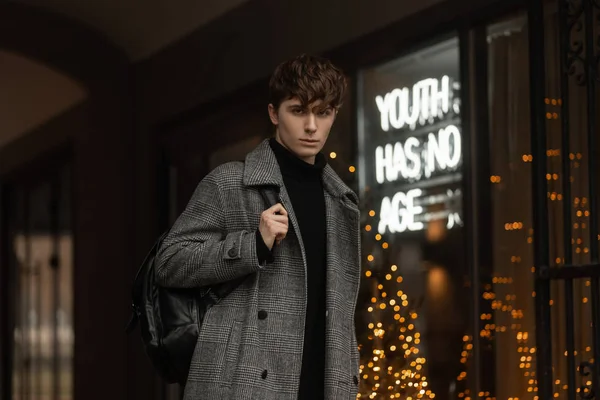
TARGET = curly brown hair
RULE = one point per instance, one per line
(308, 78)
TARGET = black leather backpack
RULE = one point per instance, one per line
(170, 318)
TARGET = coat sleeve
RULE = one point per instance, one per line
(199, 250)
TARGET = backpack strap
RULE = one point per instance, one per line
(216, 293)
(136, 289)
(271, 197)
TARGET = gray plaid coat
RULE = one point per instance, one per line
(250, 344)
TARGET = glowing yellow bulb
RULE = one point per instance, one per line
(332, 154)
(352, 169)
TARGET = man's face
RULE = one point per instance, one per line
(303, 130)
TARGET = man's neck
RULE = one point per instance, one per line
(292, 165)
(309, 160)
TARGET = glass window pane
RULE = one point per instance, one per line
(512, 294)
(19, 246)
(64, 328)
(412, 315)
(41, 240)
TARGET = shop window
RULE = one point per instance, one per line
(509, 293)
(413, 309)
(512, 328)
(40, 266)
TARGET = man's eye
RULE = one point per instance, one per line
(297, 111)
(326, 112)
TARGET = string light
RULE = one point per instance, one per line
(392, 367)
(525, 349)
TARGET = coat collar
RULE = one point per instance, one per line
(261, 169)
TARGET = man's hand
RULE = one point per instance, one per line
(273, 225)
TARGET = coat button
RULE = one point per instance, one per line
(232, 253)
(264, 374)
(262, 314)
(355, 380)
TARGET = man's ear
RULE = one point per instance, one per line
(273, 114)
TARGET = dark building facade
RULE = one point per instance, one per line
(469, 134)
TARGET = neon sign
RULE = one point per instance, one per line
(430, 99)
(419, 158)
(405, 212)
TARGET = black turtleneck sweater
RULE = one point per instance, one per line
(303, 182)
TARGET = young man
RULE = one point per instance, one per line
(287, 331)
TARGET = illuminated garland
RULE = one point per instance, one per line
(393, 368)
(525, 350)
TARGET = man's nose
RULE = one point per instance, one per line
(311, 123)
